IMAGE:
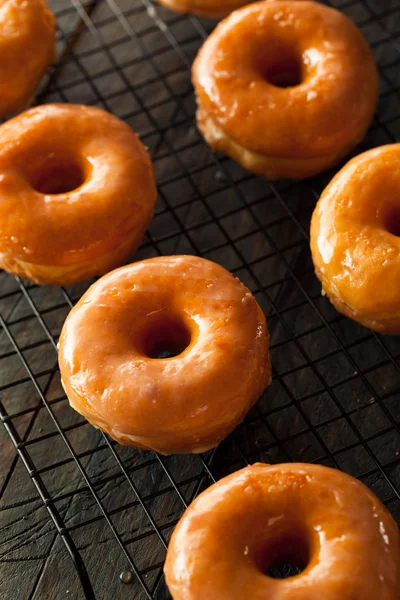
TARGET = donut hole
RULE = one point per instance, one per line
(283, 569)
(57, 176)
(165, 336)
(282, 68)
(286, 556)
(392, 221)
(285, 73)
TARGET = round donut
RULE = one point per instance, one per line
(77, 193)
(319, 519)
(180, 354)
(27, 49)
(286, 88)
(204, 8)
(355, 239)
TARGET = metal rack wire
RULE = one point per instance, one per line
(335, 394)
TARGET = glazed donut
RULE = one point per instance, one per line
(27, 49)
(180, 354)
(355, 239)
(286, 88)
(204, 8)
(77, 193)
(322, 520)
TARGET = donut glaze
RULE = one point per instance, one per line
(27, 49)
(355, 239)
(204, 8)
(320, 519)
(287, 88)
(207, 319)
(77, 193)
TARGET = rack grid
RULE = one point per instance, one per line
(335, 394)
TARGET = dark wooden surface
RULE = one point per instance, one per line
(300, 417)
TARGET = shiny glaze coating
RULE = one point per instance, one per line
(187, 403)
(27, 49)
(53, 236)
(314, 516)
(204, 8)
(295, 131)
(355, 239)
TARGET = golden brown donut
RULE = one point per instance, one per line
(322, 520)
(77, 193)
(286, 88)
(355, 239)
(204, 8)
(188, 308)
(27, 49)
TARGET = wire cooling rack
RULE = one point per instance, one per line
(335, 393)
